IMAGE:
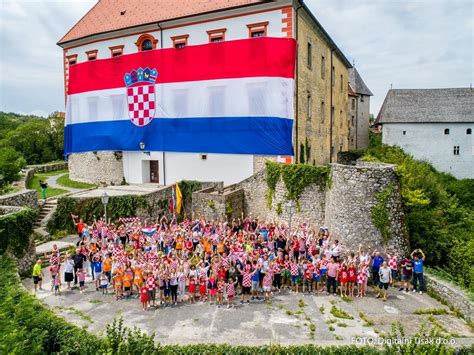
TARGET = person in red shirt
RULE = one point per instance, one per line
(192, 289)
(343, 279)
(352, 278)
(79, 225)
(144, 296)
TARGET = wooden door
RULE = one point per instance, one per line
(154, 171)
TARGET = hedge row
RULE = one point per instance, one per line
(15, 230)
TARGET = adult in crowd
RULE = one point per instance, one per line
(79, 258)
(37, 276)
(377, 261)
(418, 262)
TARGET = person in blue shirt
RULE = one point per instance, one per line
(97, 270)
(377, 261)
(418, 269)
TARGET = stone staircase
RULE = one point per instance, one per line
(40, 225)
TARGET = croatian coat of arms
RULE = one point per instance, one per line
(141, 95)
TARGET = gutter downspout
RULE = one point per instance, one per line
(296, 85)
(333, 78)
(164, 153)
(357, 121)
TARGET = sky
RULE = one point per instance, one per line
(398, 43)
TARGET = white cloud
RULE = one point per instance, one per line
(407, 43)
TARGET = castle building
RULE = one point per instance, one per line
(359, 111)
(433, 125)
(318, 108)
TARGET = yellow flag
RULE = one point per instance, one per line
(179, 199)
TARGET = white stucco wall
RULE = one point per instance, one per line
(427, 141)
(229, 168)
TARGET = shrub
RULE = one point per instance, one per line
(11, 162)
(15, 231)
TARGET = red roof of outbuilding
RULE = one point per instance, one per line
(110, 15)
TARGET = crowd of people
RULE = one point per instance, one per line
(167, 263)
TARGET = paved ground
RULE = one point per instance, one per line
(61, 244)
(52, 182)
(283, 321)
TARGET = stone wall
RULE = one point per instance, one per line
(349, 202)
(27, 198)
(450, 294)
(311, 202)
(259, 162)
(8, 209)
(158, 203)
(27, 260)
(213, 203)
(96, 167)
(46, 168)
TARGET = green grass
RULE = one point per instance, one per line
(34, 183)
(67, 182)
(340, 313)
(8, 189)
(331, 328)
(432, 311)
(321, 309)
(367, 322)
(342, 325)
(301, 303)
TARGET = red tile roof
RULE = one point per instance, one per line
(110, 15)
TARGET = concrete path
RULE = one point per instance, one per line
(62, 244)
(53, 182)
(287, 319)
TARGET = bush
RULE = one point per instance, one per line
(15, 231)
(88, 209)
(11, 162)
(439, 220)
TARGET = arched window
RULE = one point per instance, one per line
(146, 42)
(469, 131)
(446, 131)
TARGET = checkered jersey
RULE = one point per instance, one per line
(141, 104)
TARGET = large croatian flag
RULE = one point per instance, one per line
(230, 97)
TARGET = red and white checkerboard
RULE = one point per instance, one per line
(141, 104)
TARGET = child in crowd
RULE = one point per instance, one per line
(144, 296)
(104, 281)
(343, 279)
(81, 277)
(230, 290)
(191, 289)
(362, 276)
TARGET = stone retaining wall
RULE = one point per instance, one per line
(311, 202)
(215, 203)
(158, 203)
(8, 209)
(27, 198)
(451, 294)
(350, 200)
(46, 168)
(96, 167)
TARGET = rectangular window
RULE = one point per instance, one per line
(361, 98)
(258, 29)
(180, 102)
(323, 67)
(342, 82)
(180, 41)
(456, 150)
(353, 104)
(404, 133)
(256, 99)
(217, 35)
(116, 51)
(92, 55)
(323, 112)
(310, 55)
(352, 121)
(333, 76)
(72, 59)
(216, 101)
(340, 119)
(309, 107)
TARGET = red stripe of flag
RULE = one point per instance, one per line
(255, 57)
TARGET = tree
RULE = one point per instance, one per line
(11, 163)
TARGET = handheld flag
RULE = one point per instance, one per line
(179, 199)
